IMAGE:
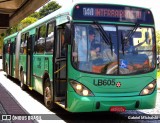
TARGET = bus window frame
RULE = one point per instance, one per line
(60, 30)
(52, 43)
(25, 42)
(9, 46)
(14, 46)
(39, 36)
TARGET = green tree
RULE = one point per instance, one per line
(26, 22)
(11, 30)
(158, 42)
(49, 8)
(158, 36)
(35, 15)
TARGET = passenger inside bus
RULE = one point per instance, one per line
(128, 48)
(91, 52)
(87, 51)
(94, 47)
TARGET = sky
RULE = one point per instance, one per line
(152, 4)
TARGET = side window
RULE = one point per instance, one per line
(61, 47)
(24, 38)
(22, 44)
(41, 39)
(62, 44)
(14, 46)
(5, 48)
(50, 38)
(9, 47)
(36, 40)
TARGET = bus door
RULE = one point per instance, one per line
(60, 72)
(29, 59)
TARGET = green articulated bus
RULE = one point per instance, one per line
(88, 57)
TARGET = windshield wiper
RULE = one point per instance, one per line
(128, 36)
(122, 42)
(106, 38)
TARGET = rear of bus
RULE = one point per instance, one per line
(122, 74)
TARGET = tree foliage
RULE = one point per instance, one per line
(158, 36)
(158, 41)
(49, 8)
(26, 22)
(11, 30)
(35, 15)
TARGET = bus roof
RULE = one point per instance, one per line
(10, 37)
(55, 14)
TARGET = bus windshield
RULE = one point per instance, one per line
(113, 49)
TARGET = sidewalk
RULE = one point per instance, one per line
(10, 108)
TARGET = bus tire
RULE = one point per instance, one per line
(22, 85)
(47, 94)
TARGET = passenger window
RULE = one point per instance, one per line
(36, 39)
(14, 46)
(40, 45)
(8, 47)
(50, 38)
(23, 48)
(62, 44)
(22, 44)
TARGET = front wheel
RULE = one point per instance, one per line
(47, 93)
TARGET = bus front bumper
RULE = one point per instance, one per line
(77, 103)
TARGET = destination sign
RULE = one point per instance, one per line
(113, 13)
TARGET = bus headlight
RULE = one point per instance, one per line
(149, 88)
(81, 89)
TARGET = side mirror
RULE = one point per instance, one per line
(67, 35)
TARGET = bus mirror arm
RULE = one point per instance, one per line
(67, 35)
(69, 18)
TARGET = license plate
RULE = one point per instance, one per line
(117, 109)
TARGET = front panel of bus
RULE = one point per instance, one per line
(113, 58)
